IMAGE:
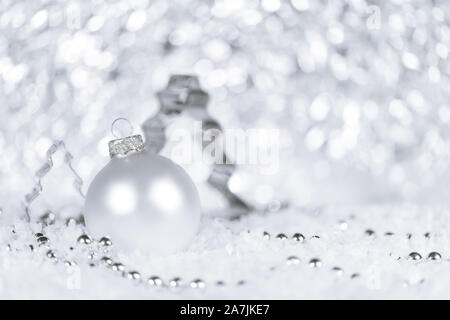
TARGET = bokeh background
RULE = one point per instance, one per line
(359, 91)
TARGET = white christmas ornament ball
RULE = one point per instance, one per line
(145, 202)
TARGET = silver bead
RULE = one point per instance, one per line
(369, 232)
(338, 271)
(241, 282)
(292, 260)
(415, 256)
(47, 218)
(315, 263)
(343, 225)
(198, 284)
(155, 281)
(68, 263)
(298, 237)
(434, 256)
(134, 275)
(50, 254)
(42, 240)
(105, 241)
(354, 276)
(389, 234)
(84, 239)
(281, 236)
(175, 282)
(107, 261)
(70, 221)
(91, 255)
(38, 235)
(266, 235)
(118, 267)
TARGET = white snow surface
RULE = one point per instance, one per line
(250, 266)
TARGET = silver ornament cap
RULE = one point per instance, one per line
(125, 146)
(126, 143)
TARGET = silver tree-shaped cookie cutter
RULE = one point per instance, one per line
(183, 94)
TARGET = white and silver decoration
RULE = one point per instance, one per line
(141, 200)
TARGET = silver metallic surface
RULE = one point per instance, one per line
(415, 256)
(84, 239)
(434, 256)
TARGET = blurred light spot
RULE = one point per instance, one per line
(410, 61)
(271, 5)
(305, 59)
(251, 17)
(370, 110)
(178, 37)
(59, 129)
(434, 74)
(300, 5)
(335, 146)
(79, 77)
(317, 46)
(319, 108)
(136, 20)
(438, 14)
(85, 166)
(441, 50)
(42, 145)
(396, 22)
(351, 113)
(335, 34)
(72, 48)
(400, 111)
(203, 66)
(314, 139)
(339, 66)
(95, 23)
(39, 19)
(416, 99)
(217, 50)
(217, 78)
(444, 114)
(102, 146)
(239, 182)
(420, 36)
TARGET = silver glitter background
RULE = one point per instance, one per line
(359, 91)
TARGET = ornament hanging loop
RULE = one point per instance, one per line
(126, 143)
(121, 128)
